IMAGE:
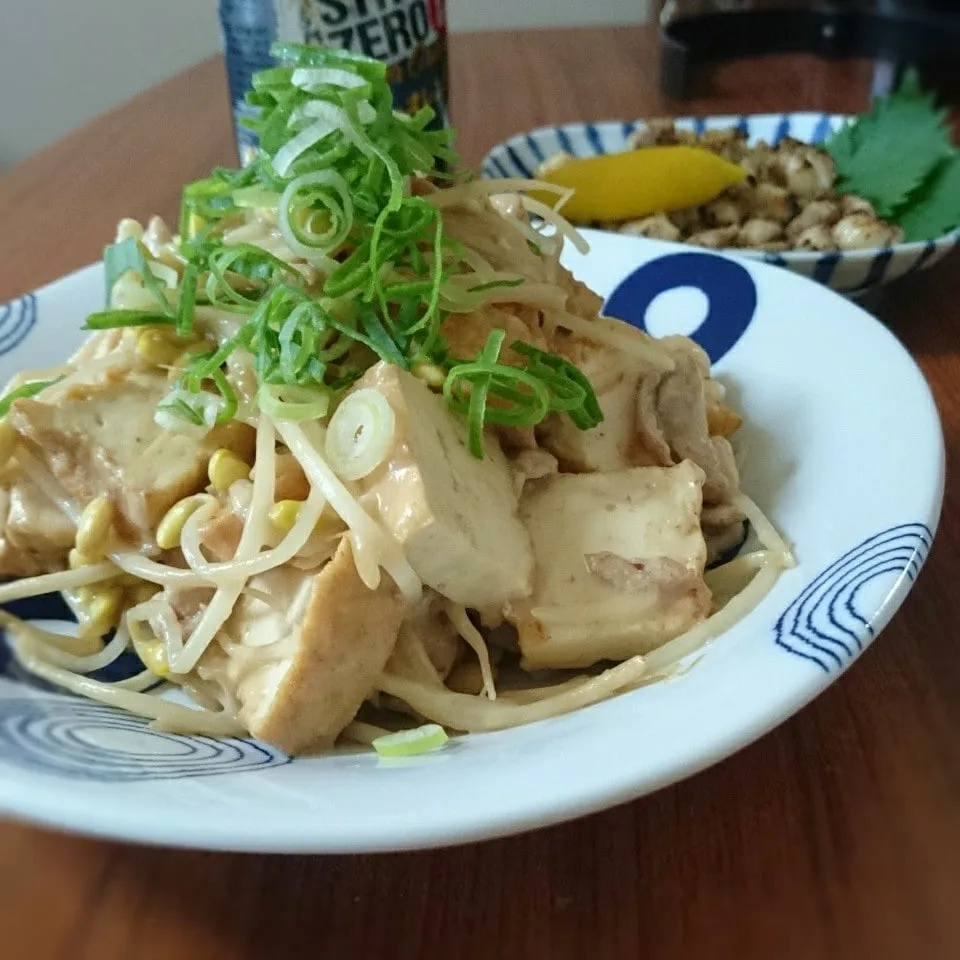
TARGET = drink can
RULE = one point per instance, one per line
(410, 36)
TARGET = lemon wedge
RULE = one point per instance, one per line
(637, 183)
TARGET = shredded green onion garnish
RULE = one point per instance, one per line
(293, 403)
(411, 743)
(334, 173)
(495, 285)
(113, 319)
(183, 410)
(126, 255)
(523, 396)
(570, 391)
(30, 389)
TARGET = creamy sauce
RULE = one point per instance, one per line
(644, 524)
(455, 515)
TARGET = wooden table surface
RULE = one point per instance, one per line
(838, 835)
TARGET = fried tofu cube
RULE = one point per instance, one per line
(619, 564)
(455, 515)
(300, 667)
(99, 438)
(35, 536)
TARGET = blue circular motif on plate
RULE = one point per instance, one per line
(727, 285)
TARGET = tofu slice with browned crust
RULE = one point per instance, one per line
(620, 559)
(456, 516)
(99, 438)
(35, 537)
(299, 667)
(612, 444)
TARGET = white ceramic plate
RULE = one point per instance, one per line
(851, 272)
(823, 386)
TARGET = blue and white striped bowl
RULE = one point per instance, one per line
(851, 272)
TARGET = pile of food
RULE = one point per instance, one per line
(787, 201)
(890, 175)
(352, 451)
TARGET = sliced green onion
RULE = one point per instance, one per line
(118, 258)
(253, 264)
(328, 118)
(379, 340)
(469, 385)
(111, 319)
(360, 434)
(186, 404)
(302, 142)
(293, 403)
(24, 391)
(476, 414)
(256, 197)
(334, 165)
(188, 301)
(126, 255)
(313, 79)
(571, 391)
(332, 194)
(210, 199)
(495, 285)
(179, 409)
(323, 109)
(304, 55)
(411, 743)
(228, 409)
(275, 77)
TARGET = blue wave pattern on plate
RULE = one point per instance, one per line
(823, 624)
(70, 737)
(850, 275)
(17, 319)
(79, 740)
